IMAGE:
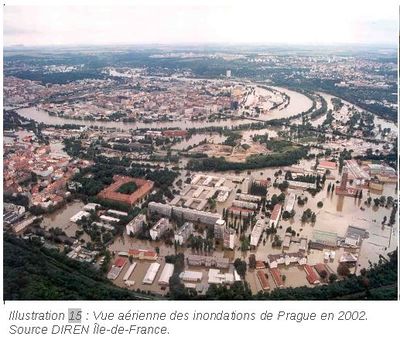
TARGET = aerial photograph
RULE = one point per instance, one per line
(200, 152)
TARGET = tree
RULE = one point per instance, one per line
(343, 270)
(240, 267)
(320, 204)
(332, 278)
(323, 274)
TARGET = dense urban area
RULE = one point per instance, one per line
(200, 173)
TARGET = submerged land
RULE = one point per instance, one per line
(187, 173)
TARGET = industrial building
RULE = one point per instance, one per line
(191, 276)
(166, 274)
(151, 273)
(129, 271)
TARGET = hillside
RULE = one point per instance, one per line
(32, 272)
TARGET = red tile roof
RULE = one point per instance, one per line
(119, 262)
(327, 164)
(320, 267)
(276, 211)
(260, 265)
(276, 275)
(311, 276)
(263, 280)
(111, 193)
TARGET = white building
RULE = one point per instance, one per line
(117, 212)
(286, 258)
(151, 273)
(129, 271)
(109, 219)
(257, 232)
(290, 201)
(182, 235)
(78, 216)
(216, 277)
(166, 274)
(91, 206)
(191, 276)
(134, 226)
(159, 229)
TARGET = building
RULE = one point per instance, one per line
(326, 165)
(246, 185)
(248, 198)
(229, 238)
(183, 233)
(116, 268)
(289, 202)
(129, 271)
(159, 229)
(286, 240)
(228, 73)
(311, 276)
(263, 280)
(301, 185)
(160, 208)
(91, 207)
(354, 236)
(117, 212)
(343, 189)
(275, 215)
(134, 226)
(79, 215)
(219, 229)
(109, 219)
(355, 172)
(166, 274)
(208, 261)
(151, 273)
(274, 260)
(348, 258)
(320, 268)
(216, 277)
(186, 214)
(191, 276)
(276, 275)
(325, 238)
(142, 254)
(111, 193)
(257, 232)
(245, 204)
(303, 244)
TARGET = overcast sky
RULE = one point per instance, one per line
(246, 21)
